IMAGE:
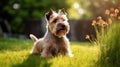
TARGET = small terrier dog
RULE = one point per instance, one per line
(54, 41)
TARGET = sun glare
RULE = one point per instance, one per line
(78, 8)
(76, 5)
(81, 11)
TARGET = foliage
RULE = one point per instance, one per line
(23, 10)
(94, 8)
(107, 38)
(110, 47)
(85, 55)
(72, 12)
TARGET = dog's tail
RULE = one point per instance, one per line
(34, 38)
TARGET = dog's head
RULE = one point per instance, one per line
(58, 22)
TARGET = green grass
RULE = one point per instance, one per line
(110, 47)
(15, 53)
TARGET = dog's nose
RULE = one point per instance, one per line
(62, 25)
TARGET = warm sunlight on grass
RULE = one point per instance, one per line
(15, 53)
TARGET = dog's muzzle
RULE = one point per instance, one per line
(61, 27)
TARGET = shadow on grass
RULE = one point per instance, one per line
(34, 61)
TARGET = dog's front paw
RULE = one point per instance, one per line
(70, 55)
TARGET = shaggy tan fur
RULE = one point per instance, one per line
(55, 41)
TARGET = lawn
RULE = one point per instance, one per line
(16, 53)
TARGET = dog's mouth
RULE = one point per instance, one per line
(61, 32)
(62, 29)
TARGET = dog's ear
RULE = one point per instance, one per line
(49, 14)
(62, 12)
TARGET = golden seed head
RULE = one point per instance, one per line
(119, 17)
(99, 17)
(101, 23)
(112, 15)
(107, 12)
(87, 37)
(116, 11)
(93, 23)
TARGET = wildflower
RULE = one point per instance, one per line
(101, 23)
(112, 15)
(109, 21)
(93, 23)
(116, 11)
(99, 17)
(87, 37)
(107, 12)
(119, 17)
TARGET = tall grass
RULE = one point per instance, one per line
(108, 38)
(110, 47)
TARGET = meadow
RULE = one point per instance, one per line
(101, 51)
(16, 53)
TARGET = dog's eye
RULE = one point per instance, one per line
(55, 20)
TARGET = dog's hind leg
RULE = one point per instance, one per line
(36, 49)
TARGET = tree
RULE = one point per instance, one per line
(90, 8)
(98, 7)
(22, 10)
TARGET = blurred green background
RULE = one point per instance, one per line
(27, 16)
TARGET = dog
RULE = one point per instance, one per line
(54, 42)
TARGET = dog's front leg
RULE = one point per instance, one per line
(45, 53)
(69, 52)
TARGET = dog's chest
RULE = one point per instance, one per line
(58, 46)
